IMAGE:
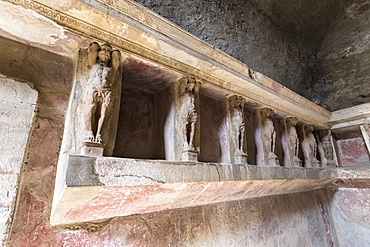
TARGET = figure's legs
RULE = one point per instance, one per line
(103, 111)
(241, 143)
(192, 132)
(89, 116)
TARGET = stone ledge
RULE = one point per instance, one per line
(101, 188)
(92, 171)
(353, 177)
(99, 203)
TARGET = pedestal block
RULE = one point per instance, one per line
(92, 149)
(189, 155)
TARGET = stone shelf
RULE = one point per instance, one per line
(101, 188)
(92, 171)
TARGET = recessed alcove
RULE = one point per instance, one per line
(279, 130)
(144, 116)
(251, 125)
(214, 135)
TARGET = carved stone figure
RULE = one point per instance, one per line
(188, 112)
(236, 104)
(268, 135)
(293, 141)
(292, 135)
(311, 146)
(102, 63)
(326, 148)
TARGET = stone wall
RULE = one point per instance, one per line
(17, 104)
(341, 72)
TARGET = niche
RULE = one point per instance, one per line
(145, 110)
(214, 135)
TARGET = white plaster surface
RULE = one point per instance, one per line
(20, 18)
(17, 105)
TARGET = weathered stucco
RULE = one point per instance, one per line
(17, 104)
(48, 59)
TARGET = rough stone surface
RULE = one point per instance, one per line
(341, 73)
(17, 104)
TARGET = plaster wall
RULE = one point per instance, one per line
(350, 210)
(17, 104)
(300, 219)
(351, 149)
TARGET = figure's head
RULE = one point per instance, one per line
(191, 84)
(310, 128)
(104, 54)
(292, 121)
(267, 112)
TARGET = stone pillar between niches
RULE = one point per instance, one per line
(291, 143)
(237, 135)
(187, 116)
(94, 109)
(266, 138)
(309, 146)
(365, 130)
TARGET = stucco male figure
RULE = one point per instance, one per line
(325, 148)
(268, 135)
(102, 63)
(236, 107)
(310, 147)
(293, 141)
(237, 122)
(188, 113)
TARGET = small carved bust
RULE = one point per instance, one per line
(236, 104)
(188, 113)
(102, 63)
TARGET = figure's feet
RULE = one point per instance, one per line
(89, 136)
(188, 147)
(98, 139)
